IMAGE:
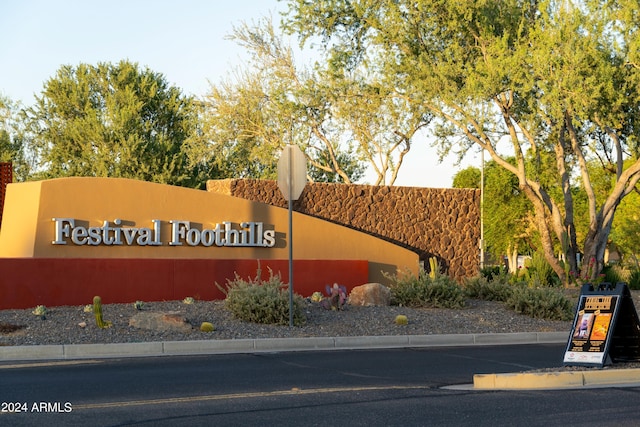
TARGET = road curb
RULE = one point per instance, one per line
(557, 380)
(172, 348)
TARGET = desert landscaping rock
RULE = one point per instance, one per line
(159, 321)
(370, 294)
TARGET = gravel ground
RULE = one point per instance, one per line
(61, 325)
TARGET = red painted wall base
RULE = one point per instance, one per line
(28, 282)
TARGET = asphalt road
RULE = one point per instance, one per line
(335, 388)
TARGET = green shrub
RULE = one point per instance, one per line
(614, 274)
(488, 290)
(424, 291)
(633, 279)
(540, 303)
(491, 272)
(262, 301)
(538, 272)
(617, 273)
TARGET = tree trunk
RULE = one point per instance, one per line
(595, 245)
(543, 227)
(512, 259)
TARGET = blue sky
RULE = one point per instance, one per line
(185, 41)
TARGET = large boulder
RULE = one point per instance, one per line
(159, 321)
(370, 294)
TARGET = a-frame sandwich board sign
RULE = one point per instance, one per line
(606, 328)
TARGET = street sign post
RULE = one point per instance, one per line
(292, 178)
(292, 172)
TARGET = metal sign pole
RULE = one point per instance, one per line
(290, 240)
(291, 183)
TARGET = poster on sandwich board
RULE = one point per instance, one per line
(605, 329)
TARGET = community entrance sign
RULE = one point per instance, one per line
(65, 240)
(605, 329)
(115, 233)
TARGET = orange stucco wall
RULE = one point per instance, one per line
(28, 230)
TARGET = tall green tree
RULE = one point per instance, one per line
(12, 137)
(381, 122)
(470, 177)
(251, 115)
(542, 76)
(342, 121)
(354, 170)
(626, 229)
(115, 120)
(507, 214)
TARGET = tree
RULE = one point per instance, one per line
(381, 123)
(626, 229)
(12, 147)
(355, 170)
(537, 76)
(268, 104)
(508, 216)
(239, 135)
(341, 121)
(469, 177)
(115, 120)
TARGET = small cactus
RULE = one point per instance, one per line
(88, 308)
(337, 297)
(41, 311)
(138, 305)
(97, 312)
(188, 300)
(317, 297)
(435, 268)
(401, 319)
(207, 327)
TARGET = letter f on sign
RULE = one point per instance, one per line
(63, 228)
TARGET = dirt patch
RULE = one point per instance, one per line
(8, 328)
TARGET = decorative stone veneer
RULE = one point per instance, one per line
(6, 177)
(444, 223)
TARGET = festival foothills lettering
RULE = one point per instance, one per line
(250, 234)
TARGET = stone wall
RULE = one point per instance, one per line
(444, 223)
(6, 177)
